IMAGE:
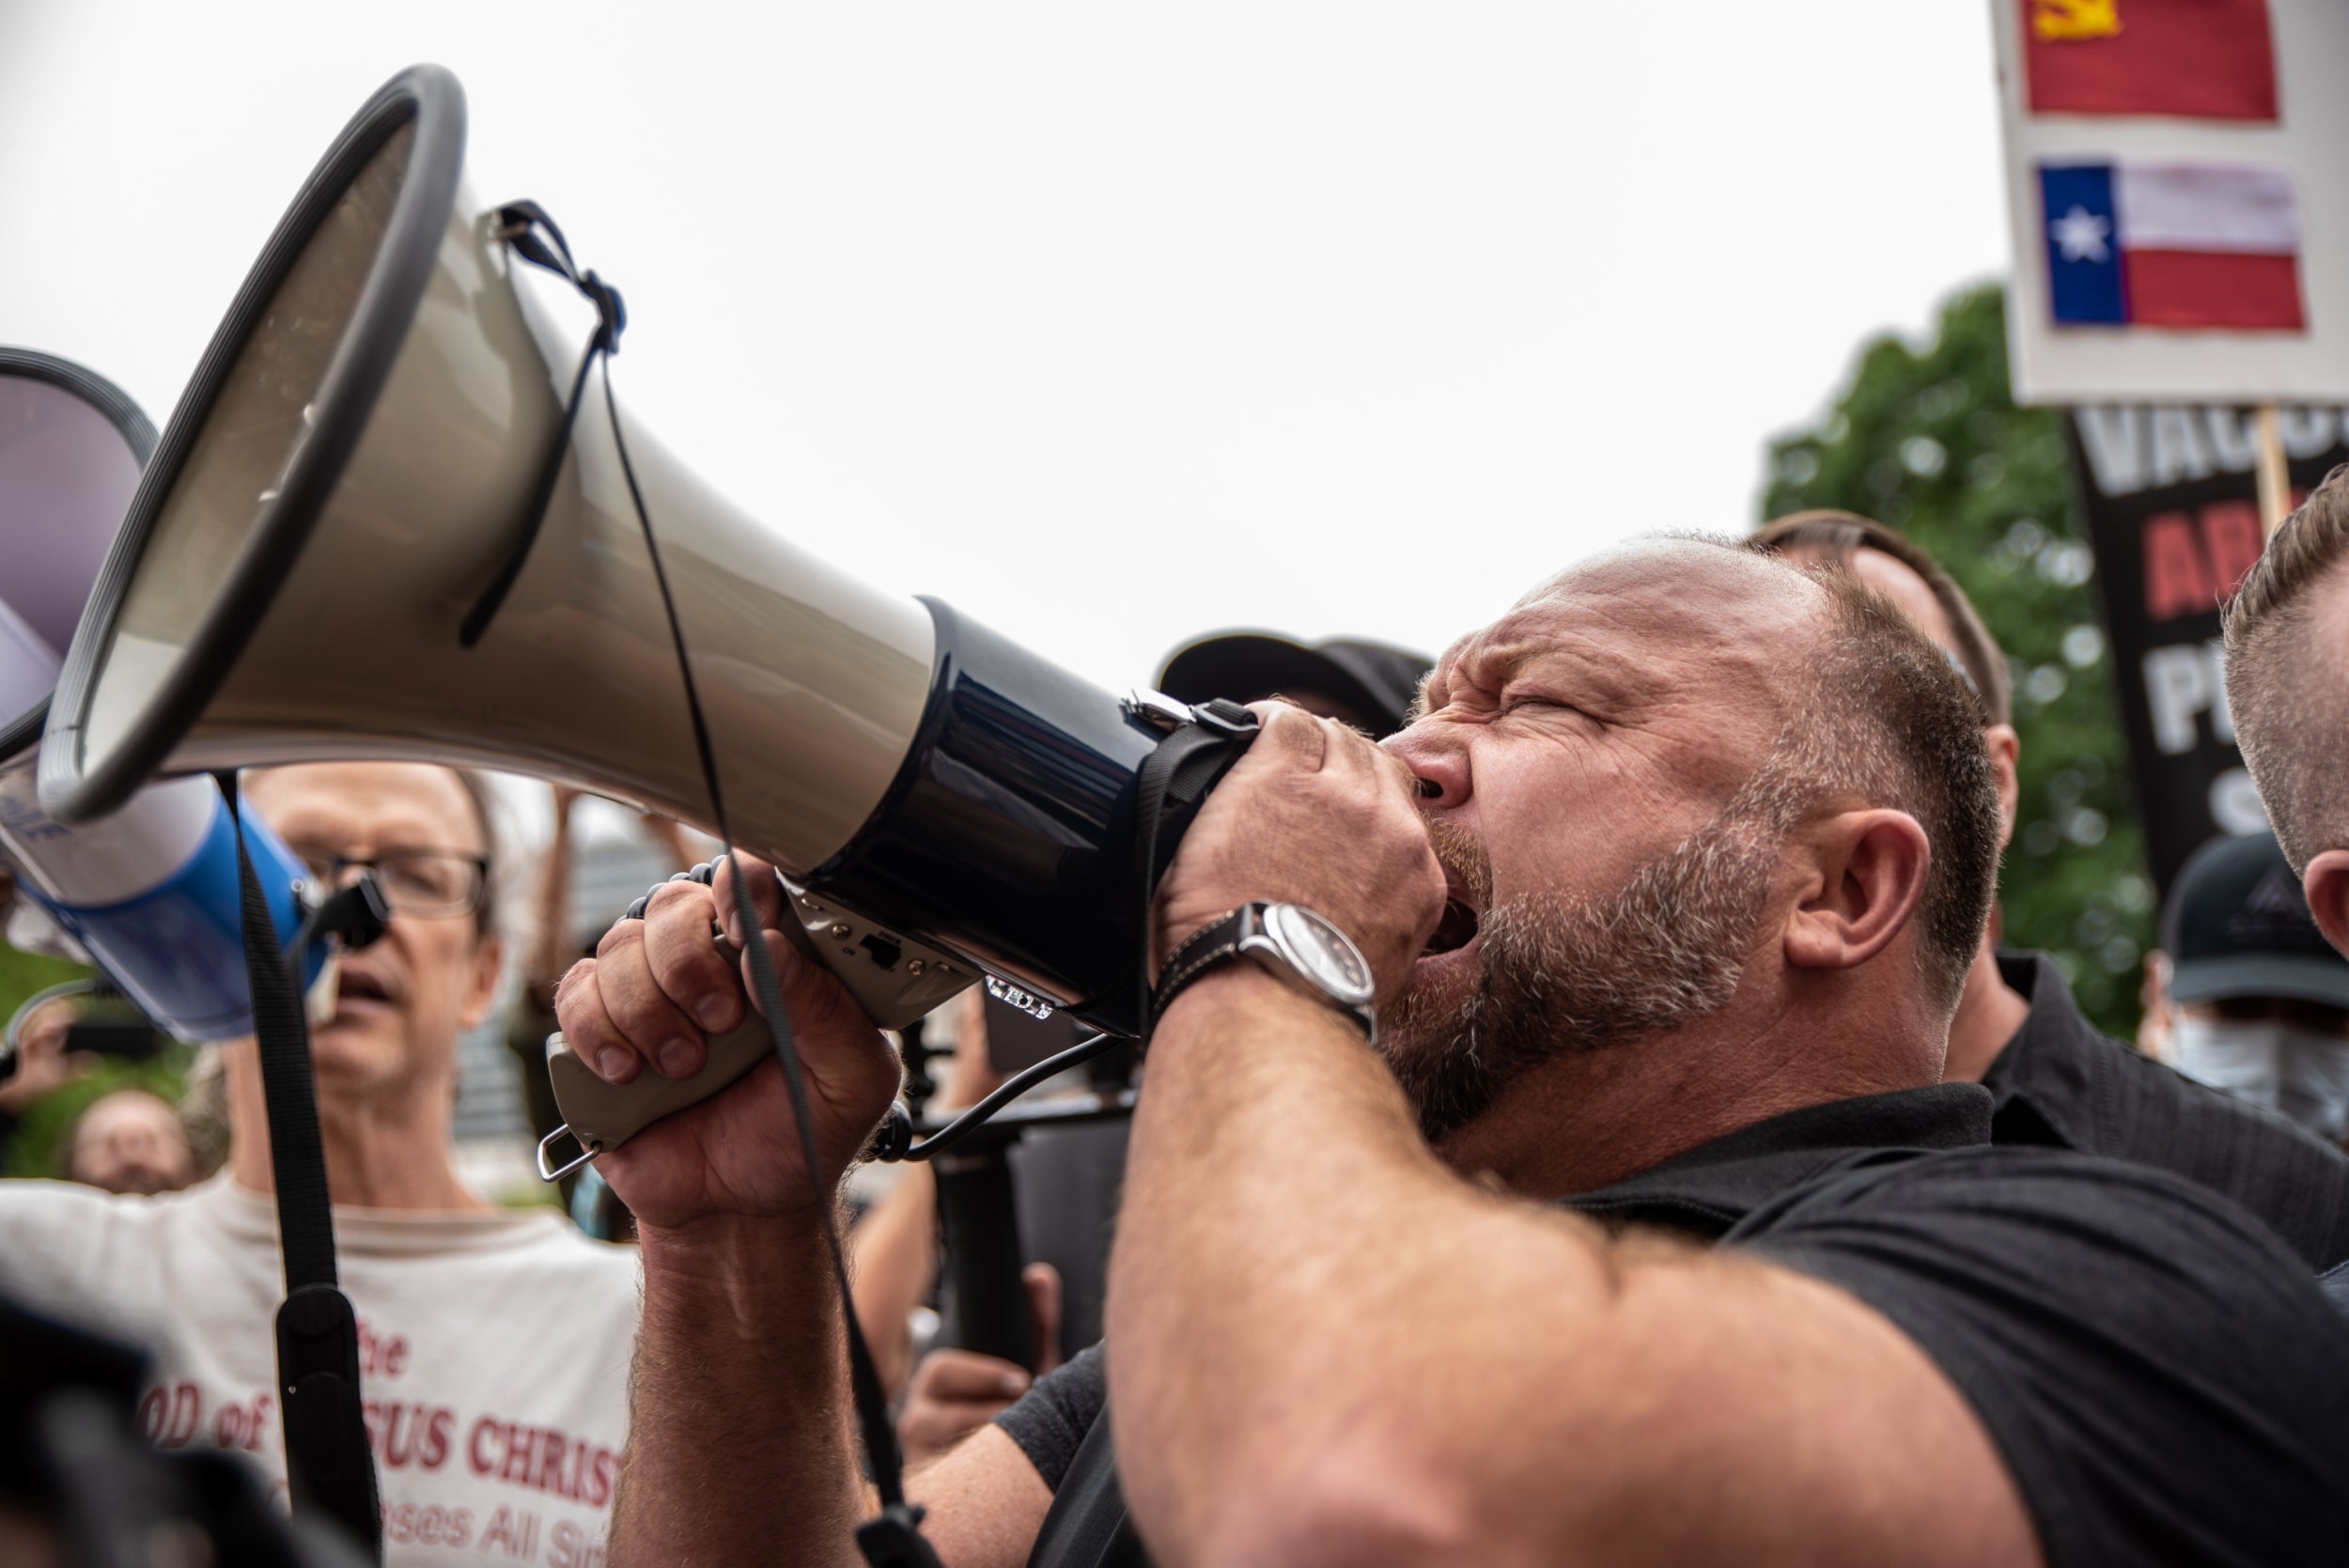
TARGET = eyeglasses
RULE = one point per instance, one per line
(433, 882)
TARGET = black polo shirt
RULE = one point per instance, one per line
(2160, 1373)
(2060, 1083)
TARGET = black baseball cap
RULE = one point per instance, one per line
(1372, 680)
(2237, 925)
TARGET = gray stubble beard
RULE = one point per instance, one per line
(1561, 974)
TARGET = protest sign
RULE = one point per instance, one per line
(2179, 198)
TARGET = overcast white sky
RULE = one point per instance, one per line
(1110, 325)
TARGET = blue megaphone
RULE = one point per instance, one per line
(151, 894)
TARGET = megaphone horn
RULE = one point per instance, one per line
(354, 463)
(149, 891)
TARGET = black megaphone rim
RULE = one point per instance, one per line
(431, 98)
(137, 431)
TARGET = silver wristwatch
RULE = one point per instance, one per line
(1306, 951)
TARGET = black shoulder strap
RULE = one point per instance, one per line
(328, 1468)
(1087, 1527)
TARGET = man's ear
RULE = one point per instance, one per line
(489, 964)
(1867, 876)
(2327, 883)
(2005, 748)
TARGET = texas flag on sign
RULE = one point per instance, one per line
(2200, 59)
(2169, 244)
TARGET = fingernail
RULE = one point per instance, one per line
(614, 1064)
(1013, 1382)
(677, 1058)
(712, 1012)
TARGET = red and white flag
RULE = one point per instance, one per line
(2141, 243)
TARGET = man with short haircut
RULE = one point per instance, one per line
(2056, 1081)
(1642, 1232)
(494, 1343)
(2288, 691)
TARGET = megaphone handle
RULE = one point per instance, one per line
(602, 1116)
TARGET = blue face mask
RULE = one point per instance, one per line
(2286, 1067)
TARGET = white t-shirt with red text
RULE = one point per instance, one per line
(493, 1347)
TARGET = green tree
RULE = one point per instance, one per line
(1928, 439)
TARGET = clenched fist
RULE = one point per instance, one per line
(1313, 815)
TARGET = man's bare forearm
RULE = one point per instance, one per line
(737, 1443)
(1291, 1261)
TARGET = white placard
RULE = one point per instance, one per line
(2308, 142)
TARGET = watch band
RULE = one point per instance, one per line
(1244, 933)
(1199, 952)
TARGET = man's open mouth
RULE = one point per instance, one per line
(357, 984)
(1455, 930)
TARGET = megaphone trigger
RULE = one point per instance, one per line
(586, 1151)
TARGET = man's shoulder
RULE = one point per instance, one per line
(77, 1251)
(33, 1210)
(2090, 1310)
(2086, 1249)
(2061, 1081)
(33, 1201)
(2019, 1184)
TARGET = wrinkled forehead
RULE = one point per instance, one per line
(1671, 614)
(403, 804)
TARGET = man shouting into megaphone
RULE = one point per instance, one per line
(1641, 1229)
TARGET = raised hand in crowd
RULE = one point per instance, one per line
(43, 1064)
(957, 1391)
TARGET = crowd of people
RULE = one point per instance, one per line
(1715, 1185)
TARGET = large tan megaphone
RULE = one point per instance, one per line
(355, 461)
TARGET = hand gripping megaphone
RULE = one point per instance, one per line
(358, 458)
(149, 891)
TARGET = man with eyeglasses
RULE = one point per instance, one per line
(494, 1344)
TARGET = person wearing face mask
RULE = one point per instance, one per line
(497, 1420)
(2258, 1000)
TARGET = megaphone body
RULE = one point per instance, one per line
(150, 893)
(353, 463)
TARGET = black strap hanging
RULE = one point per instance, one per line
(328, 1469)
(525, 226)
(893, 1538)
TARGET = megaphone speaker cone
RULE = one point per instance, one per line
(71, 445)
(358, 459)
(262, 435)
(353, 462)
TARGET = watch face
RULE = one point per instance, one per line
(1322, 950)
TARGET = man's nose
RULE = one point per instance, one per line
(1441, 768)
